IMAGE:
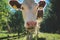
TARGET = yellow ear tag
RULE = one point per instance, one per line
(14, 6)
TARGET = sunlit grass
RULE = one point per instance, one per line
(47, 36)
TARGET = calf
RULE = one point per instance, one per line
(32, 13)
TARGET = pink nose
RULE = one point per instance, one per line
(31, 24)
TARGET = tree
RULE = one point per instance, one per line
(17, 22)
(51, 20)
(4, 12)
(56, 9)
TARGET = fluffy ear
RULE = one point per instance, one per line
(15, 4)
(42, 3)
(40, 14)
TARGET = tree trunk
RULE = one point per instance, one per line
(8, 27)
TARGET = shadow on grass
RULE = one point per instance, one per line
(41, 38)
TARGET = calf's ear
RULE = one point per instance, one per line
(15, 4)
(42, 4)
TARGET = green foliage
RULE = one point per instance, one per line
(17, 22)
(51, 21)
(9, 20)
(3, 13)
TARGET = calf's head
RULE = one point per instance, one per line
(30, 10)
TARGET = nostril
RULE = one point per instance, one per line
(28, 24)
(31, 23)
(35, 23)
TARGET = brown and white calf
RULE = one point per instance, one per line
(32, 13)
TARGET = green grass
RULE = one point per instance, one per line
(5, 35)
(48, 36)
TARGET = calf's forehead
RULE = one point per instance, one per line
(30, 1)
(13, 0)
